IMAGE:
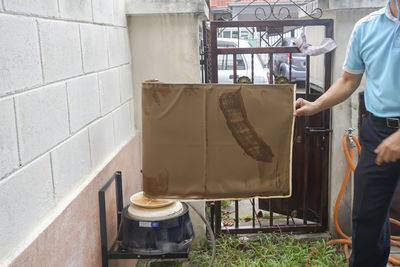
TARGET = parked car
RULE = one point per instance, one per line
(243, 63)
(281, 63)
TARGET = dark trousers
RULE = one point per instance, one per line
(374, 187)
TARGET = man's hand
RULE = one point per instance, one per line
(389, 149)
(305, 108)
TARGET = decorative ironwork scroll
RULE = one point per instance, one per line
(273, 11)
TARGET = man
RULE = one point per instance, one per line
(374, 48)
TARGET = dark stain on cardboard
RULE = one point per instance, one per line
(233, 108)
(156, 186)
(156, 97)
(157, 93)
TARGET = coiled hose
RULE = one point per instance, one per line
(210, 231)
(346, 240)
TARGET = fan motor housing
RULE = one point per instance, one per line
(156, 237)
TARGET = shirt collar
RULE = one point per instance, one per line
(389, 14)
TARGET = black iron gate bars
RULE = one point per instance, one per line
(322, 130)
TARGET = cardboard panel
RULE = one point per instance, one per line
(213, 141)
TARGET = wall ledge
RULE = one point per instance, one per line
(349, 4)
(151, 7)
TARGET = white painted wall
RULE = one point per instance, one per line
(168, 50)
(66, 104)
(344, 115)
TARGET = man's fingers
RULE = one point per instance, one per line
(301, 109)
(378, 160)
(299, 102)
(387, 155)
(378, 152)
(300, 112)
(304, 108)
(383, 155)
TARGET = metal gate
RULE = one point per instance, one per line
(307, 209)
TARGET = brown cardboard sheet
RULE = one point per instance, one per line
(215, 141)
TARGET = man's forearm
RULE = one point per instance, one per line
(337, 93)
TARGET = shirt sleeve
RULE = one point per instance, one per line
(354, 63)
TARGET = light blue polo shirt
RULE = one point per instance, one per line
(373, 50)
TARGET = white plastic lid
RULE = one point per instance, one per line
(139, 199)
(146, 214)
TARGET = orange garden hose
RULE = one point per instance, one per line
(349, 153)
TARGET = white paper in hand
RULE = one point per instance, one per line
(326, 46)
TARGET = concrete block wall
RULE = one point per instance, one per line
(66, 105)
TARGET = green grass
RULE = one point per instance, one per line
(270, 250)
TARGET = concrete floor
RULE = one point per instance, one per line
(245, 210)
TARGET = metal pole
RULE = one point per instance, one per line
(103, 229)
(119, 196)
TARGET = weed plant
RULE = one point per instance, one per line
(272, 250)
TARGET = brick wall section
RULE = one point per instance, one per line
(65, 103)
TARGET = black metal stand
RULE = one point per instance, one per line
(116, 252)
